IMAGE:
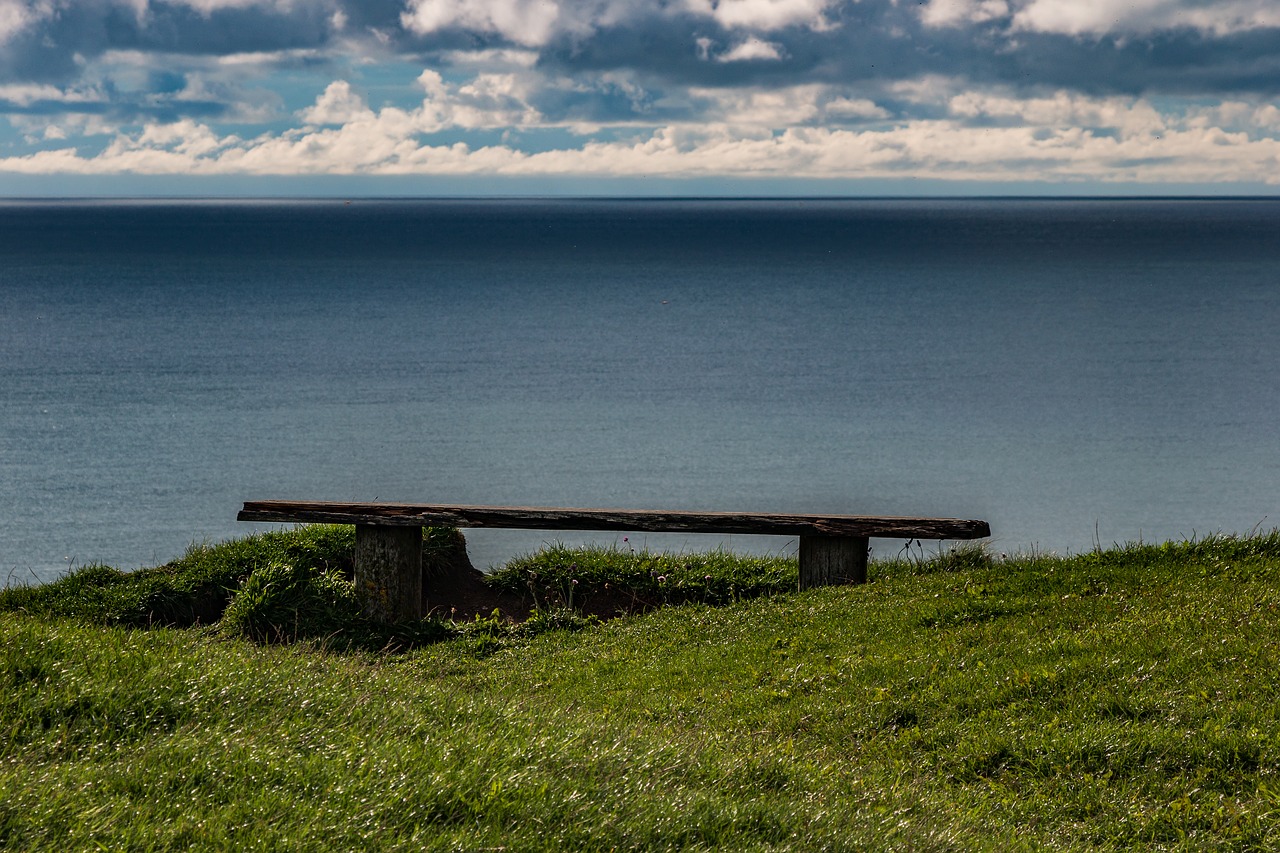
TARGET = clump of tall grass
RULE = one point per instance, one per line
(281, 586)
(193, 589)
(283, 601)
(558, 576)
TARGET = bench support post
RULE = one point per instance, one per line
(828, 560)
(389, 571)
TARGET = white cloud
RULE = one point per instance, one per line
(764, 15)
(184, 137)
(527, 22)
(486, 101)
(1098, 17)
(26, 94)
(534, 23)
(1102, 17)
(17, 15)
(856, 108)
(208, 7)
(950, 13)
(337, 105)
(1062, 110)
(753, 49)
(1267, 116)
(491, 58)
(66, 126)
(928, 89)
(245, 62)
(921, 149)
(1237, 115)
(759, 109)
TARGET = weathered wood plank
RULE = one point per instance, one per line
(656, 521)
(828, 560)
(388, 563)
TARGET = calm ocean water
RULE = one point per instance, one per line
(1071, 371)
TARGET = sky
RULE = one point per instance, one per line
(581, 97)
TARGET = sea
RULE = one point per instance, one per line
(1077, 372)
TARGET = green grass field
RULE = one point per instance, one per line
(1114, 700)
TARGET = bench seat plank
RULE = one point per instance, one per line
(656, 521)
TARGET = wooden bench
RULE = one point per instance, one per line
(388, 562)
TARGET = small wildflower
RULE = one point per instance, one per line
(662, 578)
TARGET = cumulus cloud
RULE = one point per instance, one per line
(764, 15)
(486, 100)
(950, 13)
(763, 111)
(1119, 18)
(930, 149)
(1122, 17)
(338, 105)
(17, 15)
(841, 107)
(526, 22)
(491, 58)
(753, 49)
(1127, 116)
(536, 23)
(23, 95)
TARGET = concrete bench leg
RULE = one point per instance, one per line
(389, 571)
(828, 560)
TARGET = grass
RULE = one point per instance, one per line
(559, 576)
(194, 589)
(1114, 700)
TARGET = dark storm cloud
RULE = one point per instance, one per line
(877, 41)
(868, 40)
(865, 47)
(1173, 62)
(184, 30)
(54, 48)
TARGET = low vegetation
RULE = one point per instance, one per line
(559, 577)
(194, 589)
(1112, 700)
